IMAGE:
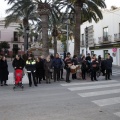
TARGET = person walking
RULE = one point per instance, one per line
(68, 64)
(4, 71)
(48, 68)
(108, 66)
(56, 64)
(74, 62)
(31, 70)
(39, 70)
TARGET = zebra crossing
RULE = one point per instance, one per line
(98, 89)
(116, 72)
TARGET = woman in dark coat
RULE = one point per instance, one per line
(3, 71)
(48, 67)
(83, 68)
(39, 70)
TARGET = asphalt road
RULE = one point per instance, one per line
(79, 100)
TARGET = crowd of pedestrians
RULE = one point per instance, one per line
(52, 67)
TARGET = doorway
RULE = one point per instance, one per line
(105, 53)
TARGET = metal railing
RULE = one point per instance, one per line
(117, 37)
(105, 39)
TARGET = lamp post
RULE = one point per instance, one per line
(86, 38)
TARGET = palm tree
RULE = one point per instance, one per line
(48, 8)
(82, 10)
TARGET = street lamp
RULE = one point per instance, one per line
(27, 33)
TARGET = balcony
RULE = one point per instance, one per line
(82, 43)
(117, 37)
(105, 39)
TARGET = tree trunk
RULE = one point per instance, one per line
(55, 45)
(77, 31)
(25, 25)
(44, 9)
(45, 48)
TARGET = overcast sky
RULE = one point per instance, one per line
(4, 6)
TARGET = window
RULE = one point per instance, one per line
(15, 45)
(92, 53)
(105, 33)
(82, 51)
(105, 54)
(15, 36)
(82, 39)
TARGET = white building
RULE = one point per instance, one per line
(103, 37)
(10, 35)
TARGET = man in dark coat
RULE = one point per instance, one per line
(108, 66)
(18, 62)
(111, 58)
(56, 63)
(68, 64)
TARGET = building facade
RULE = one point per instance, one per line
(10, 35)
(103, 37)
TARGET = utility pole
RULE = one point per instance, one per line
(86, 38)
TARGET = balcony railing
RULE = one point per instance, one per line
(105, 39)
(117, 37)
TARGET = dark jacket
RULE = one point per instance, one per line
(39, 68)
(94, 64)
(56, 63)
(47, 67)
(31, 65)
(18, 63)
(83, 66)
(3, 70)
(108, 64)
(75, 61)
(103, 62)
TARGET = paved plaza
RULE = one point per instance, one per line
(78, 100)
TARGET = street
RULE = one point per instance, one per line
(78, 100)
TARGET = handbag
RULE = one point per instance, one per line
(51, 70)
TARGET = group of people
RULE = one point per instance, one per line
(93, 65)
(52, 67)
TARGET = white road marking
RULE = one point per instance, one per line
(108, 101)
(94, 87)
(117, 113)
(97, 93)
(90, 83)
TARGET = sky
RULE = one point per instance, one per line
(4, 6)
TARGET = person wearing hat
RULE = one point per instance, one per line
(68, 63)
(31, 70)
